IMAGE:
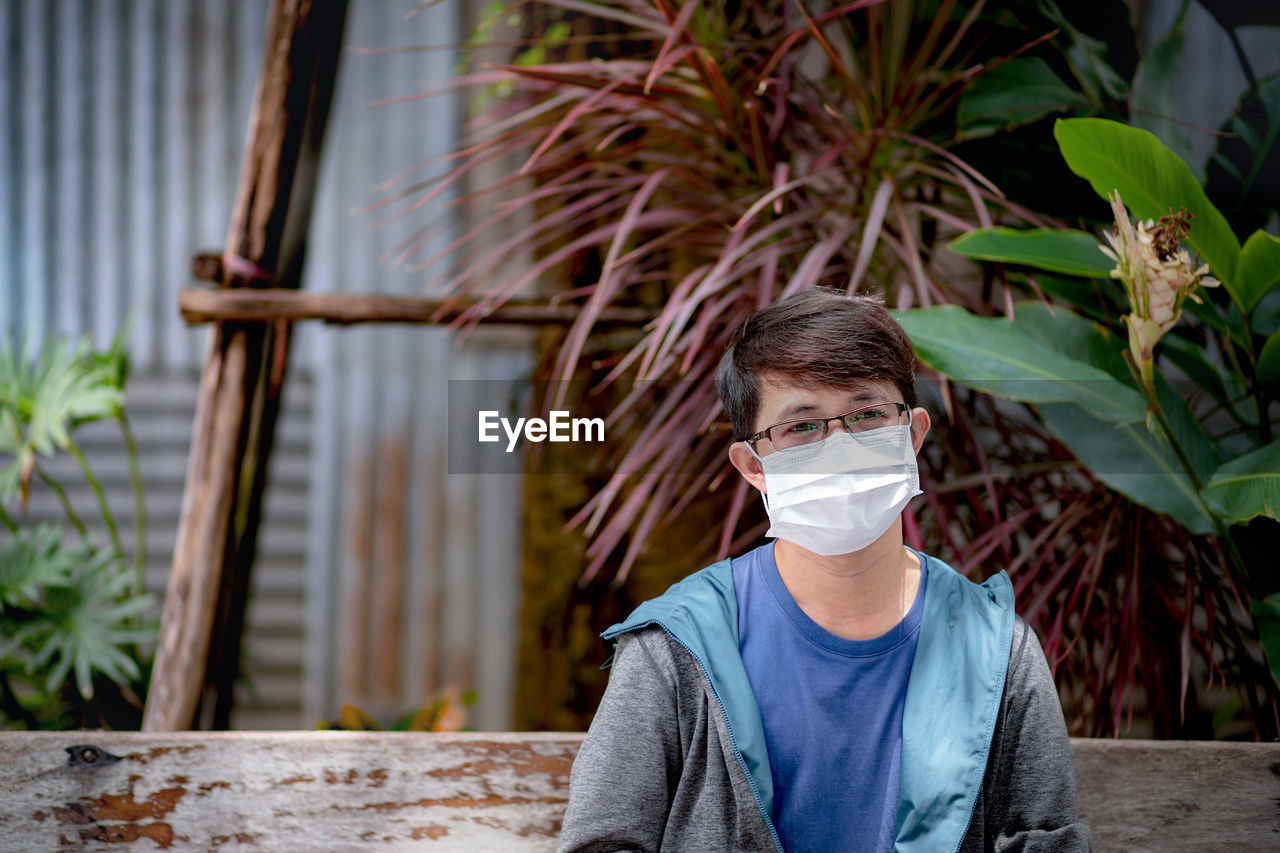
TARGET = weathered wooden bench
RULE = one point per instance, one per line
(471, 793)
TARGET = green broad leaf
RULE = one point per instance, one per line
(1247, 486)
(1094, 298)
(1259, 269)
(1155, 98)
(1015, 93)
(1063, 331)
(1060, 251)
(1151, 180)
(1266, 314)
(1129, 459)
(996, 356)
(1223, 386)
(1077, 337)
(1211, 315)
(1199, 448)
(1266, 615)
(1269, 360)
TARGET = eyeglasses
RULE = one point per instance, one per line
(811, 430)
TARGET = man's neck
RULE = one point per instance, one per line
(857, 596)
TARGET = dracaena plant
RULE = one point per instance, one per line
(69, 607)
(1161, 390)
(724, 155)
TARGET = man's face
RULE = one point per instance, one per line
(784, 400)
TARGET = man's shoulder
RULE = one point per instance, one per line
(952, 596)
(940, 568)
(1028, 666)
(705, 599)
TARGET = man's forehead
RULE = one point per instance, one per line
(780, 395)
(778, 383)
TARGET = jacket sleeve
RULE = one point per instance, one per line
(626, 772)
(1031, 789)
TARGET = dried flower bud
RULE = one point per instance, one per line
(1158, 275)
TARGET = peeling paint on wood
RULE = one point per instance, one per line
(284, 791)
(481, 792)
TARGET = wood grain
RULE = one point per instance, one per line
(479, 792)
(295, 791)
(1140, 796)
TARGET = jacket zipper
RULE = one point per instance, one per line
(737, 753)
(990, 732)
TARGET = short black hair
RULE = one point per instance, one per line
(821, 336)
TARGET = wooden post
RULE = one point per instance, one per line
(244, 371)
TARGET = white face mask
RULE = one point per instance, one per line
(840, 494)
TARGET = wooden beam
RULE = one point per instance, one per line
(244, 372)
(276, 304)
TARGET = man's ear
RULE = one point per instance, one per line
(747, 464)
(920, 424)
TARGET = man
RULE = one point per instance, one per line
(831, 690)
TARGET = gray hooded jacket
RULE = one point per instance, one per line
(662, 770)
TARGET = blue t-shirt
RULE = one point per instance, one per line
(832, 713)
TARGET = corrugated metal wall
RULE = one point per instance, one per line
(415, 574)
(121, 128)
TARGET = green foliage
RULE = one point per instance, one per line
(1056, 250)
(1109, 73)
(1258, 272)
(1266, 612)
(72, 603)
(66, 617)
(1205, 456)
(1129, 459)
(1074, 337)
(997, 356)
(1018, 92)
(1087, 58)
(1247, 486)
(1152, 180)
(1081, 399)
(31, 561)
(43, 399)
(1269, 361)
(69, 610)
(1101, 152)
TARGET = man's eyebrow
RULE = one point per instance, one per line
(796, 409)
(801, 409)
